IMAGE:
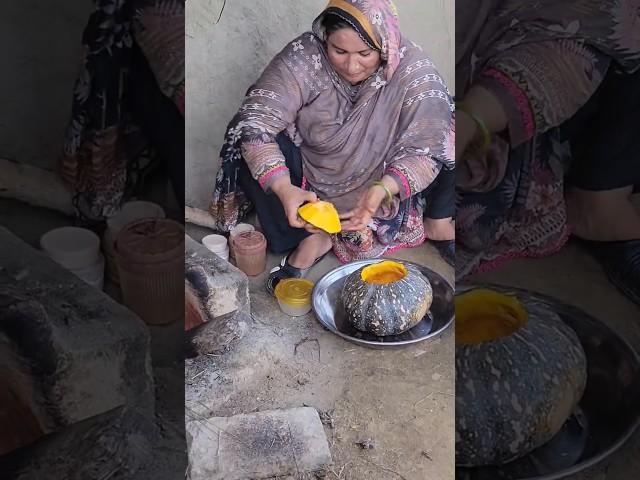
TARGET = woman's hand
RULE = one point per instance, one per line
(484, 106)
(359, 217)
(466, 129)
(292, 198)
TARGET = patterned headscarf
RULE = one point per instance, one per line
(374, 20)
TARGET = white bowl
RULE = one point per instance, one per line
(99, 284)
(223, 255)
(71, 247)
(91, 273)
(216, 243)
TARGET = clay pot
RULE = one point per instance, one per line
(250, 249)
(150, 260)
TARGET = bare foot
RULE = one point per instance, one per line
(604, 216)
(439, 229)
(311, 248)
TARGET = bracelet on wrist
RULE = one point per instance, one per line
(389, 195)
(486, 134)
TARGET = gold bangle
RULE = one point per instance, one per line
(486, 134)
(389, 198)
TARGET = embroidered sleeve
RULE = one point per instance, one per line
(270, 106)
(541, 85)
(414, 174)
(426, 142)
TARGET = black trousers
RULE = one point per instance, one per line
(160, 120)
(605, 136)
(441, 196)
(281, 237)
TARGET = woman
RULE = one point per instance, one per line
(128, 105)
(529, 77)
(352, 113)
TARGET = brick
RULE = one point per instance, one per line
(258, 445)
(71, 351)
(213, 287)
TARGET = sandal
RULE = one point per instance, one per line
(446, 249)
(621, 262)
(286, 270)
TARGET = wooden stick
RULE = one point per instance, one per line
(35, 186)
(199, 217)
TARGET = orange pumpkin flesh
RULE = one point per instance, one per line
(322, 215)
(483, 315)
(384, 273)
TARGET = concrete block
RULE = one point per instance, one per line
(256, 446)
(213, 286)
(69, 351)
(216, 336)
(116, 442)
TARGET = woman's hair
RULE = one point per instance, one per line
(332, 23)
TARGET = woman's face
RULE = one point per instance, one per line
(350, 56)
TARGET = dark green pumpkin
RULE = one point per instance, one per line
(514, 391)
(387, 307)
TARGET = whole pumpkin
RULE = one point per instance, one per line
(386, 298)
(520, 373)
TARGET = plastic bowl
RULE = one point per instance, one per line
(294, 310)
(216, 243)
(294, 296)
(72, 247)
(91, 273)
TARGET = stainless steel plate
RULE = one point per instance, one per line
(608, 414)
(328, 309)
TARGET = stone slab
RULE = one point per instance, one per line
(115, 444)
(72, 351)
(218, 335)
(258, 445)
(216, 286)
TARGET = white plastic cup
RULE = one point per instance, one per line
(99, 284)
(217, 244)
(71, 247)
(77, 250)
(93, 274)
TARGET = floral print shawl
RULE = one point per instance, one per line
(105, 154)
(398, 122)
(542, 60)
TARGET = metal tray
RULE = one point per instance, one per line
(329, 311)
(608, 414)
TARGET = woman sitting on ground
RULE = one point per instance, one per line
(352, 113)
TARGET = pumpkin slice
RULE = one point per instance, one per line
(484, 315)
(322, 215)
(383, 273)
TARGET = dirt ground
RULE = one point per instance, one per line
(402, 401)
